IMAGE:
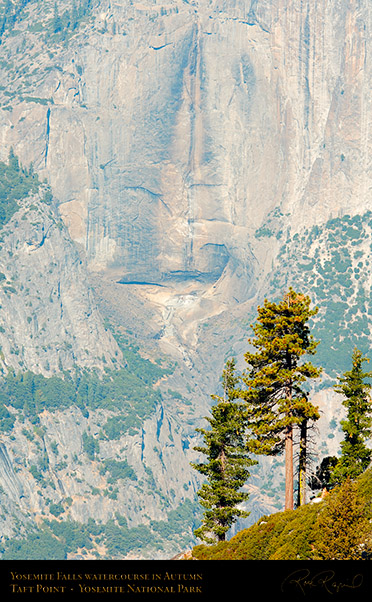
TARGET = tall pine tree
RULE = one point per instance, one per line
(274, 380)
(227, 463)
(355, 455)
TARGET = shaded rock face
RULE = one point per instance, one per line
(79, 485)
(49, 317)
(14, 489)
(159, 207)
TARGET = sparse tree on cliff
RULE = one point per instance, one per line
(227, 461)
(355, 455)
(274, 381)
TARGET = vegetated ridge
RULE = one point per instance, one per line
(301, 534)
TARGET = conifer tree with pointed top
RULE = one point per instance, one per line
(355, 455)
(227, 461)
(274, 380)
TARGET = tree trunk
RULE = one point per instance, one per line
(301, 499)
(222, 537)
(289, 467)
(289, 447)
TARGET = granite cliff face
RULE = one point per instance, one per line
(49, 319)
(172, 132)
(189, 146)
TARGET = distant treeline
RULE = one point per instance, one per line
(129, 389)
(16, 184)
(62, 21)
(54, 540)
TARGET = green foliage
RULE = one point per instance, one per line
(120, 540)
(147, 371)
(37, 100)
(342, 525)
(130, 389)
(264, 232)
(32, 393)
(10, 12)
(7, 419)
(72, 534)
(54, 448)
(52, 541)
(322, 477)
(284, 535)
(275, 376)
(117, 470)
(16, 184)
(272, 227)
(35, 472)
(185, 515)
(355, 456)
(64, 22)
(38, 545)
(337, 282)
(56, 509)
(226, 468)
(275, 383)
(336, 528)
(90, 446)
(58, 24)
